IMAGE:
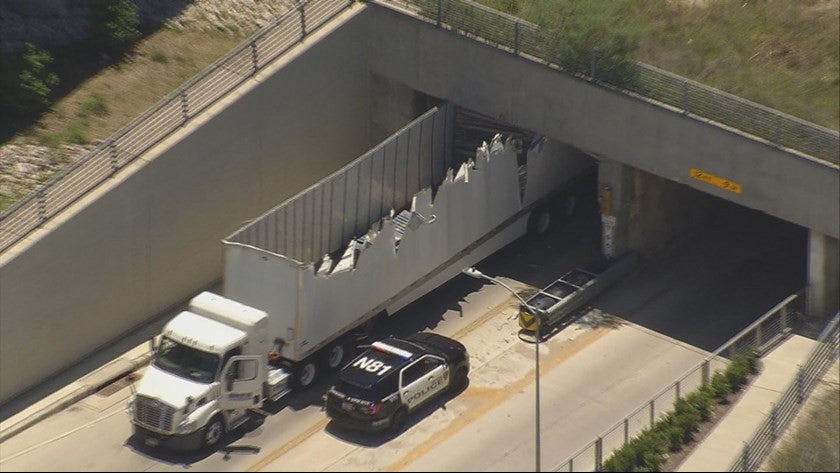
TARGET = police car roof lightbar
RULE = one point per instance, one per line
(390, 349)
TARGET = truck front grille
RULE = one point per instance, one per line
(153, 413)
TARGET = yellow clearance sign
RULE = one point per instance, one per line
(716, 181)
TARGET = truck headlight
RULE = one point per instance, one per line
(185, 425)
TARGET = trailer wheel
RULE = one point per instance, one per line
(539, 221)
(306, 373)
(568, 205)
(335, 355)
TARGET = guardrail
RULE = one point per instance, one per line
(527, 39)
(170, 114)
(759, 336)
(822, 356)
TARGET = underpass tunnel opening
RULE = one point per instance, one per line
(728, 264)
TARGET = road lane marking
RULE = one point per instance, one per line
(315, 428)
(59, 437)
(301, 437)
(494, 397)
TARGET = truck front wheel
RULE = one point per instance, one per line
(213, 432)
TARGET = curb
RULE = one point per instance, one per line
(75, 396)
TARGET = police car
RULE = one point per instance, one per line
(380, 387)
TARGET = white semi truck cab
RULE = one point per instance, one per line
(210, 367)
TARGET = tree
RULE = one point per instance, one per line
(116, 24)
(35, 80)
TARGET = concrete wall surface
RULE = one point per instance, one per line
(150, 237)
(603, 122)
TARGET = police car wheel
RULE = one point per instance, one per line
(460, 380)
(398, 420)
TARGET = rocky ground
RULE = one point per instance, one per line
(24, 166)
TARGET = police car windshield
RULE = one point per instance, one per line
(371, 368)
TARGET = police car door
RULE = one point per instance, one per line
(423, 379)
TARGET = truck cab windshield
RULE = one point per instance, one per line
(186, 362)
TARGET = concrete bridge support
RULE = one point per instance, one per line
(643, 212)
(823, 274)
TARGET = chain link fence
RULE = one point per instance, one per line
(760, 336)
(523, 38)
(822, 357)
(167, 116)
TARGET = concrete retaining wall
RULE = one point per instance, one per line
(127, 253)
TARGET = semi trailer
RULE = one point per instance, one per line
(305, 282)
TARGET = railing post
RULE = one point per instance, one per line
(439, 12)
(685, 96)
(254, 57)
(652, 412)
(42, 204)
(112, 153)
(800, 388)
(599, 453)
(774, 421)
(745, 457)
(677, 385)
(302, 19)
(758, 337)
(572, 464)
(184, 106)
(784, 316)
(626, 430)
(705, 373)
(516, 38)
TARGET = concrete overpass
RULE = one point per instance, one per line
(149, 238)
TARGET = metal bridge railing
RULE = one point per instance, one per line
(762, 334)
(167, 116)
(523, 38)
(822, 357)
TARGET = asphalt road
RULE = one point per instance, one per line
(638, 338)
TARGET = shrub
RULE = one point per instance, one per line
(96, 105)
(116, 24)
(720, 387)
(740, 368)
(77, 133)
(35, 80)
(159, 56)
(701, 400)
(595, 37)
(686, 417)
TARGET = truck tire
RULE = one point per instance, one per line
(398, 420)
(213, 432)
(305, 373)
(335, 355)
(568, 205)
(539, 221)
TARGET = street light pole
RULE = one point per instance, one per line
(537, 377)
(537, 313)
